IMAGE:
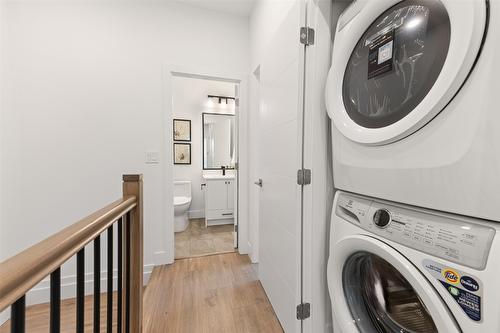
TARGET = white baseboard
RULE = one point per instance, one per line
(196, 214)
(251, 254)
(41, 292)
(220, 222)
(4, 316)
(161, 258)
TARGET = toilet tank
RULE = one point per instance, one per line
(182, 188)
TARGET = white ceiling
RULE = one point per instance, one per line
(236, 7)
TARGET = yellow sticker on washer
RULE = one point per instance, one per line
(451, 275)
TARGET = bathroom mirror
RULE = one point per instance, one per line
(219, 147)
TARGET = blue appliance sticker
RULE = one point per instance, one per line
(470, 303)
(465, 289)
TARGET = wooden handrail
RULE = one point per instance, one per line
(23, 271)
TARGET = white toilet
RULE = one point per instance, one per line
(182, 201)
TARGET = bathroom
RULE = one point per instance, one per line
(204, 157)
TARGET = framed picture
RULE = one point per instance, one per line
(182, 130)
(182, 153)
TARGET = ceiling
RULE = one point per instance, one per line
(236, 7)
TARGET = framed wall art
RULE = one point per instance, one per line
(182, 130)
(182, 153)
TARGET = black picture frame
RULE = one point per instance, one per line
(203, 138)
(188, 161)
(177, 120)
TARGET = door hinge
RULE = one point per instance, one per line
(307, 36)
(304, 177)
(236, 228)
(303, 311)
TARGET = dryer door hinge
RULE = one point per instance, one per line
(303, 311)
(304, 177)
(307, 36)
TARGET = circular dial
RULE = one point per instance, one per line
(382, 218)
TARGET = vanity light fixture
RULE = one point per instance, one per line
(226, 98)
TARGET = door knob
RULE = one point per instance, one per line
(259, 182)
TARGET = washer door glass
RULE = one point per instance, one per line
(381, 299)
(396, 62)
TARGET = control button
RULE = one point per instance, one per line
(382, 218)
(428, 242)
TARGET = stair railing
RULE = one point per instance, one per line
(23, 271)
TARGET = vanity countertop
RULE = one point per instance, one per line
(217, 176)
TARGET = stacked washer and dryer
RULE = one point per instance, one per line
(414, 97)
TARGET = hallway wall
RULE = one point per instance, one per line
(83, 102)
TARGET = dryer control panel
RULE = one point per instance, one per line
(453, 238)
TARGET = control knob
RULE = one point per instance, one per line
(382, 218)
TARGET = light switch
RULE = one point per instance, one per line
(152, 157)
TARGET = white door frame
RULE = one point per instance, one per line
(165, 250)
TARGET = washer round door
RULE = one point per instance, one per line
(397, 64)
(375, 289)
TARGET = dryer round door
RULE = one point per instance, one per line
(375, 289)
(396, 64)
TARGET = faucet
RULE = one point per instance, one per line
(223, 170)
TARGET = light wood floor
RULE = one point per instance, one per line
(212, 294)
(218, 293)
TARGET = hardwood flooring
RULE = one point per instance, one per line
(212, 294)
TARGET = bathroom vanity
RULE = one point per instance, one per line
(219, 199)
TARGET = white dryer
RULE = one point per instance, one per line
(414, 96)
(395, 268)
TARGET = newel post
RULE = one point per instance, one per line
(132, 185)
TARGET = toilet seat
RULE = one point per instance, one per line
(178, 201)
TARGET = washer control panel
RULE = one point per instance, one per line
(456, 239)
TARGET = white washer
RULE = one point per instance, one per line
(413, 93)
(395, 268)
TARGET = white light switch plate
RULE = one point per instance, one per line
(152, 157)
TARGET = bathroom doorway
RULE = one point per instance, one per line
(205, 151)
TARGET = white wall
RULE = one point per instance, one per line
(5, 314)
(189, 101)
(83, 102)
(265, 19)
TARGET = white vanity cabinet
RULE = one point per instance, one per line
(219, 201)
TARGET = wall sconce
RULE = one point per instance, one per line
(220, 98)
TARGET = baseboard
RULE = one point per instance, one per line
(161, 258)
(4, 316)
(196, 214)
(251, 254)
(41, 292)
(220, 221)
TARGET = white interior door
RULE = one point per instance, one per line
(233, 200)
(281, 75)
(254, 165)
